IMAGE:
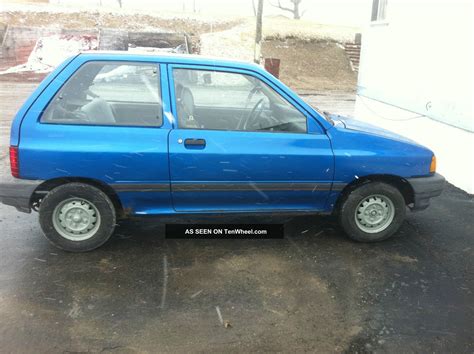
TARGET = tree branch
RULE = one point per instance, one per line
(282, 7)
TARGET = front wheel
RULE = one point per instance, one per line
(77, 217)
(372, 212)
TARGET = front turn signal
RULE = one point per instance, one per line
(433, 164)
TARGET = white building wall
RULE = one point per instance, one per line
(421, 61)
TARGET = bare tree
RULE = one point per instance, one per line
(295, 9)
(254, 8)
(258, 33)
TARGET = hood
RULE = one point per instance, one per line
(357, 125)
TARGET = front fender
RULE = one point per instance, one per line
(358, 154)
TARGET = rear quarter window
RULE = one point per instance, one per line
(105, 93)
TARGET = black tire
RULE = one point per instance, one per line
(347, 212)
(86, 192)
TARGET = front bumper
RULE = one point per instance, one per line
(425, 188)
(17, 193)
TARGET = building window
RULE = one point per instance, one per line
(379, 10)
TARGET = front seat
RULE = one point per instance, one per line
(185, 107)
(99, 111)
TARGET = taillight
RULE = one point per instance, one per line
(14, 164)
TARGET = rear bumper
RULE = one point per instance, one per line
(426, 188)
(17, 193)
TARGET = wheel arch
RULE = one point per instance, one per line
(398, 182)
(50, 184)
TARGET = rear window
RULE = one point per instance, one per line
(105, 93)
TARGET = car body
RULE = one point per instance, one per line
(168, 134)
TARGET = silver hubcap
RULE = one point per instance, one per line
(76, 219)
(374, 213)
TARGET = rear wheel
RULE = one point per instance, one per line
(77, 217)
(372, 212)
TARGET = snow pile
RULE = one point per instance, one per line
(50, 51)
(235, 43)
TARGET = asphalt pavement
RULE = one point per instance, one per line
(313, 291)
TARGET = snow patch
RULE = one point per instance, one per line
(51, 51)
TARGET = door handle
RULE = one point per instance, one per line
(195, 143)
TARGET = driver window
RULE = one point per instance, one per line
(108, 94)
(217, 100)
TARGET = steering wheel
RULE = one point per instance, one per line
(253, 115)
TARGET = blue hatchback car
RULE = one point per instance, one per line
(111, 135)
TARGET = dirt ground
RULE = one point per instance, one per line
(312, 65)
(309, 67)
(93, 19)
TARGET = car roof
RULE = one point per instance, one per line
(169, 58)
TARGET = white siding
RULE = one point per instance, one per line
(421, 59)
(416, 79)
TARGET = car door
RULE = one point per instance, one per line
(240, 145)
